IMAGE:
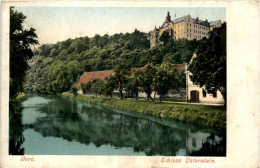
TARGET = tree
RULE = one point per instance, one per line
(208, 68)
(45, 50)
(121, 73)
(20, 52)
(74, 90)
(62, 75)
(134, 82)
(165, 37)
(165, 79)
(85, 87)
(109, 86)
(147, 79)
(97, 86)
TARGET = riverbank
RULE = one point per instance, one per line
(205, 115)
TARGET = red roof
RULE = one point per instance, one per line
(101, 74)
(90, 76)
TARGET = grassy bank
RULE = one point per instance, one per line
(206, 115)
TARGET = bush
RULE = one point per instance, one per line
(74, 90)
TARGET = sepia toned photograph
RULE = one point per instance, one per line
(119, 81)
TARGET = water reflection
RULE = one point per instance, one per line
(106, 129)
(16, 137)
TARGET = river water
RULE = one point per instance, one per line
(51, 125)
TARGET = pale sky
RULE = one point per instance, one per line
(55, 24)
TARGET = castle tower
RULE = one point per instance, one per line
(168, 17)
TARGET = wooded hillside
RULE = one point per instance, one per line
(56, 67)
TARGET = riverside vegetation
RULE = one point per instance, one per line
(214, 116)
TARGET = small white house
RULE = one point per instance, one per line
(197, 94)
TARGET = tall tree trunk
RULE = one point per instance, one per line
(121, 93)
(154, 95)
(151, 98)
(161, 98)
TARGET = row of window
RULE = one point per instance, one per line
(199, 32)
(197, 26)
(189, 30)
(188, 35)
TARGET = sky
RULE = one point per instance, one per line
(55, 24)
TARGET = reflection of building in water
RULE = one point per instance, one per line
(195, 141)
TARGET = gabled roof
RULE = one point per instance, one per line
(214, 23)
(85, 78)
(91, 76)
(101, 74)
(179, 19)
(201, 22)
(165, 24)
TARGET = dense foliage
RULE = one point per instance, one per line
(56, 67)
(159, 79)
(21, 40)
(208, 68)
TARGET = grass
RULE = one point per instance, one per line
(174, 99)
(214, 116)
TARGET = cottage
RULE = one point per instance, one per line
(197, 94)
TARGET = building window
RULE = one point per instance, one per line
(204, 93)
(214, 94)
(187, 24)
(187, 30)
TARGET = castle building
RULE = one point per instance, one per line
(184, 27)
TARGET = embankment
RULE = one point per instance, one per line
(214, 116)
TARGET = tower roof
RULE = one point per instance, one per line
(168, 17)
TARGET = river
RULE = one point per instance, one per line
(52, 125)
